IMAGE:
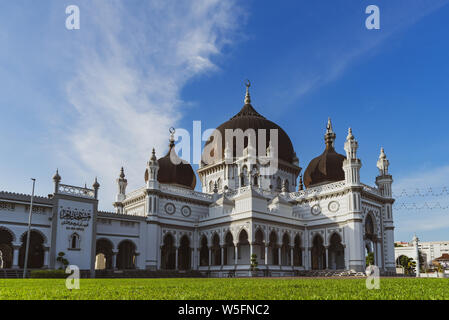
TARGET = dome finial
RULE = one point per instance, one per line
(172, 136)
(330, 135)
(153, 155)
(247, 96)
(122, 173)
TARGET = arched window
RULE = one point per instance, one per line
(219, 184)
(211, 186)
(74, 241)
(279, 183)
(287, 185)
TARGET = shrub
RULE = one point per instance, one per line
(48, 274)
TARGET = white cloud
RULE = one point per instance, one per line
(132, 66)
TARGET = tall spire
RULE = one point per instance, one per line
(122, 173)
(247, 96)
(330, 135)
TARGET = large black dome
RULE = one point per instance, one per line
(249, 118)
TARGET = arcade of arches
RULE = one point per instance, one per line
(124, 258)
(13, 256)
(231, 252)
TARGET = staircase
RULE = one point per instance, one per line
(11, 273)
(330, 273)
(147, 274)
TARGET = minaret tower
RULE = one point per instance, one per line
(152, 184)
(384, 181)
(351, 167)
(352, 164)
(121, 195)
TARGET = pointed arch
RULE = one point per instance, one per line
(297, 252)
(318, 253)
(336, 255)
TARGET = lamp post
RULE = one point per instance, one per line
(416, 243)
(29, 232)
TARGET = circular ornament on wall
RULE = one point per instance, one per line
(334, 206)
(170, 208)
(316, 210)
(186, 211)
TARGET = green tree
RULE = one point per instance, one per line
(369, 259)
(254, 263)
(62, 260)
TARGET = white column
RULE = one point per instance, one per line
(210, 257)
(15, 264)
(236, 253)
(250, 251)
(326, 261)
(176, 259)
(266, 254)
(192, 259)
(114, 260)
(291, 256)
(46, 250)
(222, 256)
(279, 256)
(159, 262)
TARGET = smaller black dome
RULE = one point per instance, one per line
(328, 167)
(174, 170)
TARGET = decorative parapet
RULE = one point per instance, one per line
(319, 190)
(76, 191)
(370, 189)
(178, 191)
(135, 193)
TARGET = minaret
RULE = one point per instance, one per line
(151, 172)
(152, 199)
(96, 186)
(351, 167)
(384, 182)
(56, 180)
(121, 195)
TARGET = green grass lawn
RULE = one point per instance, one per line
(199, 289)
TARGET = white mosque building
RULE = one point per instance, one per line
(289, 223)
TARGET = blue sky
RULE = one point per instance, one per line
(91, 100)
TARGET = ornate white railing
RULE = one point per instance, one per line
(370, 189)
(185, 192)
(135, 193)
(76, 191)
(331, 187)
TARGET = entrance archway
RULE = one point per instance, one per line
(318, 254)
(297, 252)
(229, 251)
(36, 250)
(104, 255)
(6, 248)
(184, 253)
(336, 253)
(274, 252)
(259, 244)
(285, 251)
(243, 247)
(126, 257)
(204, 252)
(168, 253)
(216, 250)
